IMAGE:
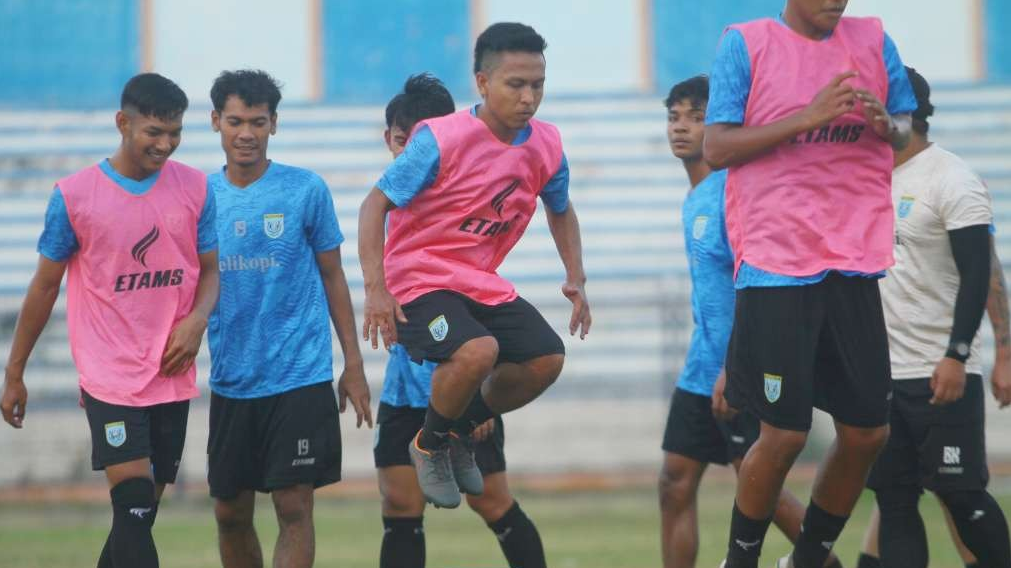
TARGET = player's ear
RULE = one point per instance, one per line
(482, 83)
(122, 122)
(387, 138)
(273, 123)
(215, 121)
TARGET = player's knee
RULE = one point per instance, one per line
(490, 506)
(547, 368)
(865, 441)
(232, 515)
(477, 357)
(293, 506)
(399, 503)
(782, 445)
(133, 502)
(898, 501)
(966, 500)
(677, 488)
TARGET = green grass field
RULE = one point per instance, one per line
(609, 529)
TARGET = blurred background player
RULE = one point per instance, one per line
(701, 428)
(405, 397)
(472, 180)
(934, 298)
(274, 423)
(136, 235)
(808, 212)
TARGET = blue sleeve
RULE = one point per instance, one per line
(414, 170)
(58, 241)
(207, 226)
(730, 81)
(555, 194)
(322, 229)
(901, 99)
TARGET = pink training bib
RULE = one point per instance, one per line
(133, 279)
(821, 201)
(456, 233)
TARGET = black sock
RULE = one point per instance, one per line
(818, 533)
(973, 565)
(982, 526)
(868, 561)
(403, 543)
(105, 559)
(133, 511)
(436, 430)
(519, 539)
(477, 413)
(902, 539)
(746, 537)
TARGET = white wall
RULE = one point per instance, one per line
(194, 40)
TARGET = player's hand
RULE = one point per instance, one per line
(352, 385)
(721, 408)
(580, 320)
(382, 312)
(834, 100)
(1000, 380)
(183, 345)
(948, 381)
(14, 400)
(876, 114)
(483, 431)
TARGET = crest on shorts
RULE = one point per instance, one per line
(773, 387)
(699, 228)
(439, 328)
(905, 205)
(273, 224)
(115, 433)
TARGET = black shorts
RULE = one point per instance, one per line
(941, 448)
(439, 322)
(273, 442)
(692, 430)
(120, 434)
(824, 345)
(396, 426)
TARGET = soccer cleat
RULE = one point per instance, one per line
(465, 471)
(435, 475)
(784, 562)
(723, 564)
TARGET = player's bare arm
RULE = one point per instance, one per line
(721, 408)
(565, 231)
(896, 129)
(1000, 320)
(184, 342)
(381, 309)
(729, 145)
(352, 384)
(38, 305)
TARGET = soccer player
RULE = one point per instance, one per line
(274, 425)
(404, 399)
(804, 111)
(933, 299)
(701, 428)
(460, 197)
(136, 235)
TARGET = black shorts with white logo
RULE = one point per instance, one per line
(824, 345)
(273, 442)
(692, 430)
(439, 322)
(941, 448)
(396, 427)
(121, 434)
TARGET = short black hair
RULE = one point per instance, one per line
(150, 94)
(253, 86)
(506, 36)
(424, 96)
(924, 109)
(695, 90)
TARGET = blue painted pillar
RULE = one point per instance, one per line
(997, 15)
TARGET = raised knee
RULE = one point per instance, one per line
(866, 441)
(478, 356)
(549, 367)
(490, 507)
(782, 445)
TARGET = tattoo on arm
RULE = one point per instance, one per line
(997, 303)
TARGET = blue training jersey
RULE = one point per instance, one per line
(711, 265)
(270, 332)
(729, 88)
(407, 383)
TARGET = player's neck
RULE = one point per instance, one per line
(128, 169)
(243, 176)
(697, 170)
(801, 26)
(917, 144)
(501, 131)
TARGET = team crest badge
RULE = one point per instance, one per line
(240, 228)
(115, 433)
(273, 224)
(439, 328)
(773, 387)
(905, 205)
(699, 228)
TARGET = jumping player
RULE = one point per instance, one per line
(136, 235)
(274, 425)
(796, 115)
(460, 197)
(404, 399)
